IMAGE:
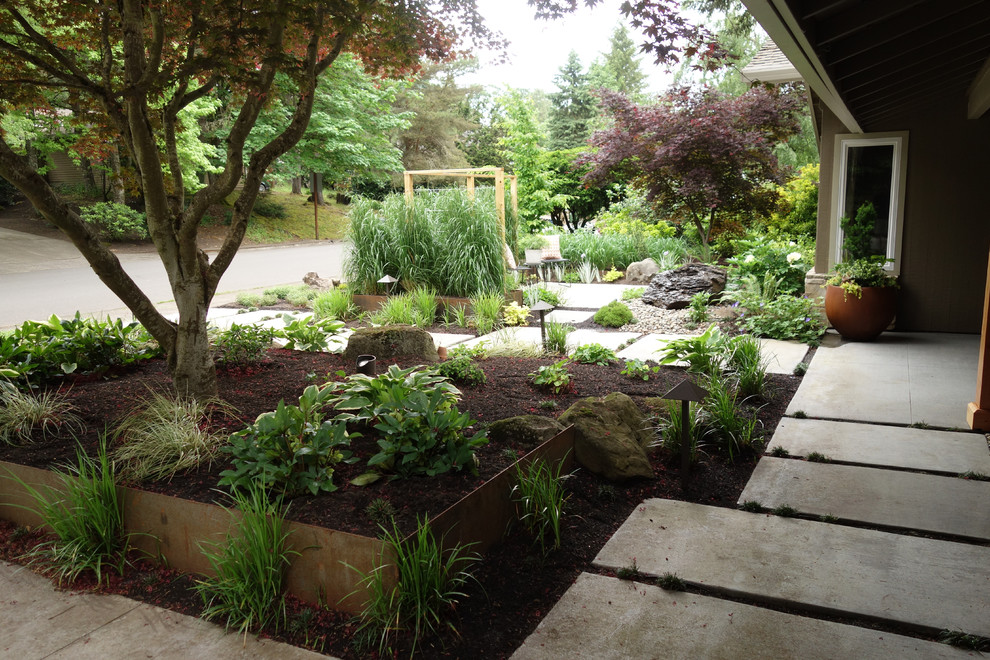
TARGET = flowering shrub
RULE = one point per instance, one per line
(786, 261)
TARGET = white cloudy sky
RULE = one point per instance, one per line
(538, 48)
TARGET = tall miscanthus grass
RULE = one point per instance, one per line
(619, 250)
(444, 241)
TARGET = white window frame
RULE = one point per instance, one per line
(895, 221)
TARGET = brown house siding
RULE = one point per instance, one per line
(946, 217)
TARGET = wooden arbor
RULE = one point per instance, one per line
(470, 174)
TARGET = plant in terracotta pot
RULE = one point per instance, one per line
(861, 298)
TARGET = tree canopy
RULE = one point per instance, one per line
(699, 154)
(572, 107)
(129, 68)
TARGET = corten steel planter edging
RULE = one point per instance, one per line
(172, 529)
(372, 303)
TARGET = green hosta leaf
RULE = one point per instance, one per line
(366, 478)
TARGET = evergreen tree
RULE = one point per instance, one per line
(572, 108)
(619, 69)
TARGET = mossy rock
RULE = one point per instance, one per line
(528, 431)
(392, 341)
(611, 436)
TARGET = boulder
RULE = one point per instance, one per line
(673, 289)
(640, 272)
(611, 436)
(391, 341)
(314, 280)
(527, 431)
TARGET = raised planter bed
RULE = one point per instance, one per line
(370, 303)
(172, 529)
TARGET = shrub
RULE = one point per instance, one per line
(462, 369)
(785, 318)
(115, 222)
(539, 498)
(422, 599)
(514, 314)
(86, 516)
(291, 450)
(593, 354)
(248, 590)
(241, 344)
(698, 310)
(613, 315)
(612, 275)
(335, 304)
(798, 214)
(785, 261)
(22, 412)
(554, 376)
(269, 208)
(165, 435)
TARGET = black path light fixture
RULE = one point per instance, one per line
(389, 283)
(686, 392)
(542, 307)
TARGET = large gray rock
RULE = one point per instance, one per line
(314, 280)
(673, 289)
(611, 436)
(640, 272)
(528, 431)
(391, 341)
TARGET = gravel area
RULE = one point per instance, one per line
(668, 321)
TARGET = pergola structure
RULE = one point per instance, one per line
(470, 174)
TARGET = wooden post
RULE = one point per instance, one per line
(500, 200)
(408, 184)
(514, 194)
(978, 411)
(470, 188)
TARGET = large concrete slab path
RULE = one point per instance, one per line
(926, 584)
(901, 378)
(890, 498)
(607, 618)
(41, 622)
(950, 452)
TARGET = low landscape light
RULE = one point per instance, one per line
(686, 392)
(542, 307)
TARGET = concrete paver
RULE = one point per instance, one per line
(607, 339)
(647, 347)
(590, 296)
(41, 622)
(923, 502)
(601, 617)
(928, 584)
(782, 356)
(568, 316)
(901, 378)
(448, 338)
(893, 446)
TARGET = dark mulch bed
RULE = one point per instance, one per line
(516, 586)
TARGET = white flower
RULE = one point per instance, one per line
(792, 243)
(749, 259)
(793, 256)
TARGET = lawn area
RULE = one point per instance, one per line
(297, 223)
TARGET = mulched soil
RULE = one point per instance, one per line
(516, 586)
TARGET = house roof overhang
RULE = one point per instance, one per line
(874, 62)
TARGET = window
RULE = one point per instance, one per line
(870, 167)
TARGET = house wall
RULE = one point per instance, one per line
(946, 217)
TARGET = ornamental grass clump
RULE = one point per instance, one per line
(86, 516)
(539, 498)
(337, 303)
(421, 601)
(248, 590)
(22, 413)
(166, 434)
(556, 337)
(486, 311)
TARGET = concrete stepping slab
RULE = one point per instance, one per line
(922, 502)
(783, 356)
(591, 296)
(568, 316)
(607, 618)
(893, 446)
(41, 622)
(929, 584)
(530, 335)
(901, 378)
(648, 347)
(448, 338)
(607, 339)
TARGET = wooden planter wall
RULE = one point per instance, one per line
(172, 529)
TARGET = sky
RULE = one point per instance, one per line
(537, 48)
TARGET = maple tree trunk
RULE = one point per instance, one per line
(116, 180)
(190, 359)
(297, 185)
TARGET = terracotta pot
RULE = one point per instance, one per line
(861, 319)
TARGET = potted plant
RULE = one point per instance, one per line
(861, 296)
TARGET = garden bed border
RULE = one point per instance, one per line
(171, 529)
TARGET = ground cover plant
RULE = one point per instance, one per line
(513, 577)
